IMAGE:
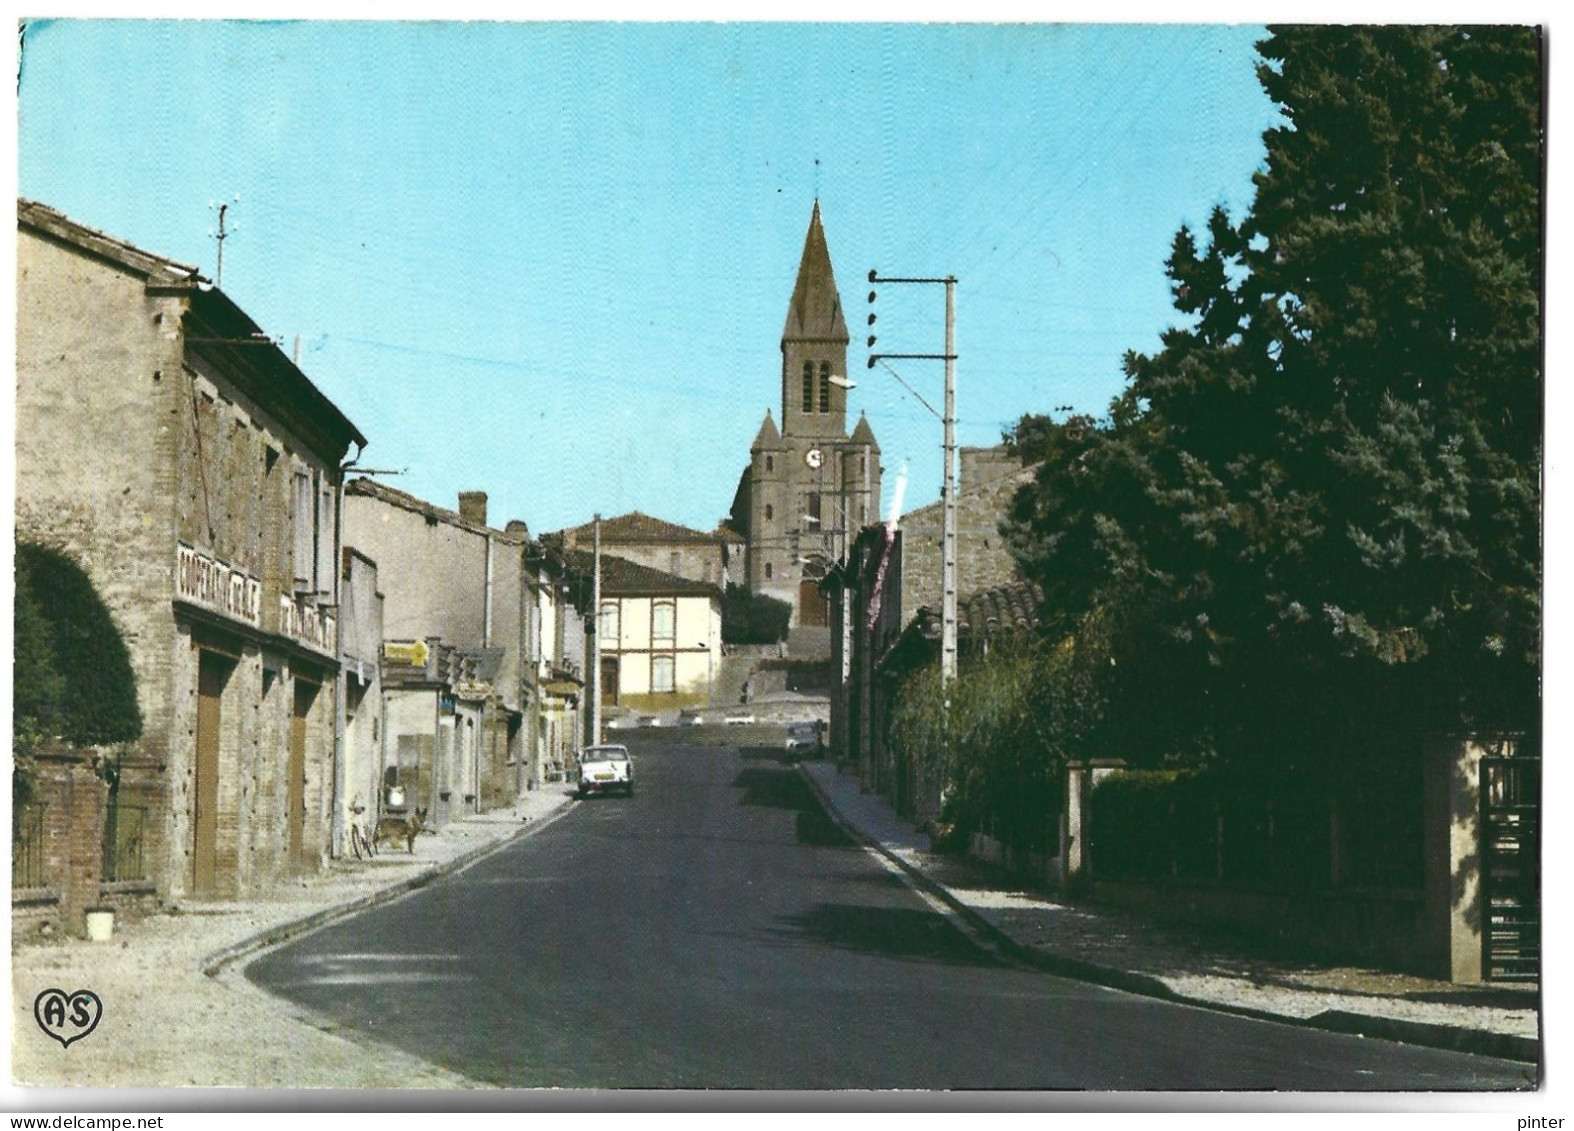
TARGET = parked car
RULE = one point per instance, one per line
(648, 721)
(603, 769)
(690, 719)
(802, 738)
(739, 719)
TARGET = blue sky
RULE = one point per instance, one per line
(552, 261)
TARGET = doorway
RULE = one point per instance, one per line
(295, 771)
(213, 675)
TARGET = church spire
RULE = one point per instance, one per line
(815, 312)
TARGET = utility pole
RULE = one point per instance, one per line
(948, 579)
(595, 641)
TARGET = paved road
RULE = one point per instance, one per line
(717, 930)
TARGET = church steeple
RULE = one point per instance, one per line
(815, 312)
(814, 345)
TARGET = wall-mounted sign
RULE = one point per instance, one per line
(412, 653)
(307, 624)
(214, 585)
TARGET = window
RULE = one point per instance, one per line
(767, 570)
(769, 463)
(814, 509)
(661, 673)
(305, 529)
(770, 512)
(825, 386)
(608, 628)
(808, 386)
(663, 622)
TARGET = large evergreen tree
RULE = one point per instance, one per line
(1314, 518)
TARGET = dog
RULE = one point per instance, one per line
(400, 828)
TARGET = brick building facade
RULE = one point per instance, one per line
(170, 448)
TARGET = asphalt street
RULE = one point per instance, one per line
(717, 930)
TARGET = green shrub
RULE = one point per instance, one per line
(748, 617)
(73, 679)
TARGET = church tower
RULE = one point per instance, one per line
(814, 345)
(809, 487)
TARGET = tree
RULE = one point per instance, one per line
(748, 617)
(73, 679)
(1314, 514)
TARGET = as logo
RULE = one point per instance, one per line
(67, 1017)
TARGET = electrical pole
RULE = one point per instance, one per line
(948, 529)
(595, 641)
(948, 578)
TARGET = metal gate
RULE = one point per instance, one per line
(1511, 869)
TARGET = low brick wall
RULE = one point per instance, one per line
(1385, 928)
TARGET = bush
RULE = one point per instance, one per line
(73, 679)
(748, 617)
(1001, 752)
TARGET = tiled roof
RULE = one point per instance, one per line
(638, 527)
(372, 489)
(1004, 608)
(623, 578)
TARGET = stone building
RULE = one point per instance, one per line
(714, 557)
(360, 768)
(166, 444)
(463, 639)
(809, 484)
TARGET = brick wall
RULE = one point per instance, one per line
(71, 842)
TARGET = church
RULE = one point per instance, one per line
(809, 486)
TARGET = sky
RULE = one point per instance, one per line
(552, 261)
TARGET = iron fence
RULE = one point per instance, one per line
(28, 868)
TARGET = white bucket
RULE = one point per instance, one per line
(100, 925)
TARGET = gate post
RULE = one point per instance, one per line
(1073, 830)
(1451, 839)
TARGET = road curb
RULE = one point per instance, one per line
(214, 963)
(1450, 1037)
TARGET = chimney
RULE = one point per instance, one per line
(472, 507)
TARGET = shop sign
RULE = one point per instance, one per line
(307, 624)
(213, 585)
(410, 653)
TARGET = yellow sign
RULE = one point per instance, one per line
(406, 652)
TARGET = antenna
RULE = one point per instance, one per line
(222, 234)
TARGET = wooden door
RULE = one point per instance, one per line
(295, 771)
(812, 609)
(213, 673)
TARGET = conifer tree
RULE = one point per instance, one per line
(1315, 512)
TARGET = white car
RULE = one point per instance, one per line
(740, 719)
(603, 769)
(803, 738)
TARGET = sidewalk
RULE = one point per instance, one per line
(178, 1013)
(1123, 950)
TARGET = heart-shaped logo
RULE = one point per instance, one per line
(67, 1017)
